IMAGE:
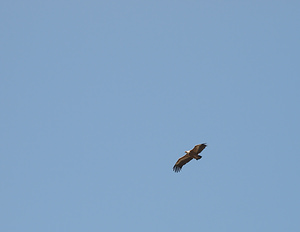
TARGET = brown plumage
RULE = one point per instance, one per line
(189, 156)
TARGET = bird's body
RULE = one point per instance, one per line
(191, 154)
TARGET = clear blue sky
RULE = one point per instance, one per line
(100, 98)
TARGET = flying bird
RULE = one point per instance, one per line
(189, 156)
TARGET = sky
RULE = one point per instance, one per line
(98, 100)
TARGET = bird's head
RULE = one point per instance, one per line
(187, 152)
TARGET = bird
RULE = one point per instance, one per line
(189, 156)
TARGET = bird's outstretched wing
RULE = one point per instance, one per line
(182, 161)
(198, 148)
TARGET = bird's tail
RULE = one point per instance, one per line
(198, 157)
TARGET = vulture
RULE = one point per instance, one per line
(189, 156)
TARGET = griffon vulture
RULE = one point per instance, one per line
(189, 156)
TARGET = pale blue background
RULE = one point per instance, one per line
(100, 98)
